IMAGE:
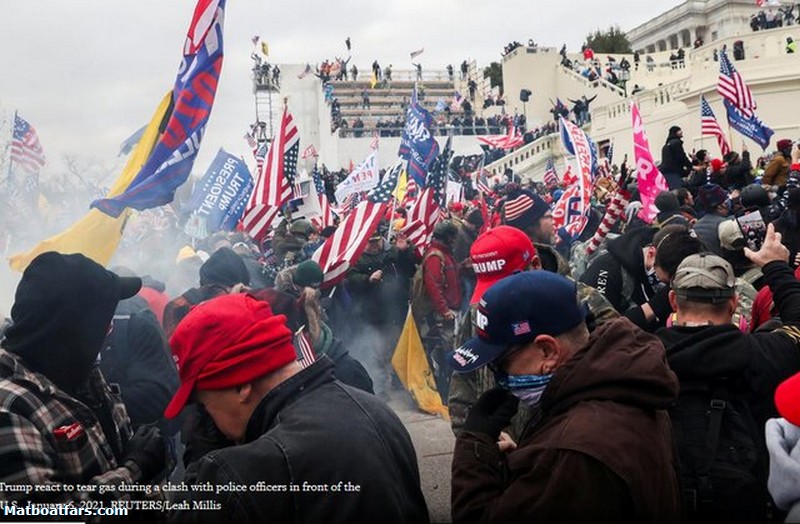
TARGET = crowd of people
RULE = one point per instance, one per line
(630, 370)
(774, 17)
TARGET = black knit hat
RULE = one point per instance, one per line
(224, 267)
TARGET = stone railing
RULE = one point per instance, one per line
(600, 82)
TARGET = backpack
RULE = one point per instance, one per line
(722, 454)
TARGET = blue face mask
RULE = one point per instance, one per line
(527, 388)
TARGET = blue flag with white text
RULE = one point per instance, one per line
(170, 163)
(417, 144)
(221, 195)
(751, 127)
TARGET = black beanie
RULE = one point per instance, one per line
(224, 267)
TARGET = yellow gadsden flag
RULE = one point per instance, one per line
(97, 235)
(411, 365)
(402, 187)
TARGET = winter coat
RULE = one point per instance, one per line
(777, 171)
(600, 449)
(619, 274)
(674, 159)
(739, 175)
(312, 430)
(440, 276)
(384, 302)
(707, 229)
(759, 361)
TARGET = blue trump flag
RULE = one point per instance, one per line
(170, 163)
(222, 193)
(417, 144)
(751, 127)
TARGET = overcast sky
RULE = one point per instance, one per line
(87, 73)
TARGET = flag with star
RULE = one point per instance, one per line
(345, 246)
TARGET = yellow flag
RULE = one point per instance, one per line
(374, 81)
(411, 365)
(97, 235)
(402, 187)
(264, 48)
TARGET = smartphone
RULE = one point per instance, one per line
(753, 228)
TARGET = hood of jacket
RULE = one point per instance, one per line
(627, 250)
(704, 352)
(621, 363)
(551, 260)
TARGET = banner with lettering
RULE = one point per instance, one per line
(170, 163)
(570, 213)
(220, 196)
(363, 178)
(751, 127)
(417, 144)
(651, 181)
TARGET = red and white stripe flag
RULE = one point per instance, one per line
(26, 150)
(302, 342)
(273, 184)
(344, 247)
(730, 85)
(310, 152)
(710, 126)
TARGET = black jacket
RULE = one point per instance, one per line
(757, 362)
(607, 272)
(312, 430)
(384, 302)
(674, 159)
(739, 175)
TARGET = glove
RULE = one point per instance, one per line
(492, 412)
(147, 450)
(660, 304)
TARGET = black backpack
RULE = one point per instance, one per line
(723, 461)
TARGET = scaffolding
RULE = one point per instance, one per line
(266, 83)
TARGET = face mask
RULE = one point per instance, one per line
(527, 388)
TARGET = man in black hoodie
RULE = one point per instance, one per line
(625, 275)
(59, 421)
(705, 349)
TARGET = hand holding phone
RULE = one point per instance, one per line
(753, 229)
(771, 250)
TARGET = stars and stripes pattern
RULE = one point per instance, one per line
(482, 181)
(310, 152)
(327, 218)
(259, 150)
(550, 175)
(710, 126)
(26, 150)
(347, 244)
(731, 86)
(273, 185)
(430, 205)
(304, 348)
(510, 140)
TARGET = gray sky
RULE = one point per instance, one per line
(87, 73)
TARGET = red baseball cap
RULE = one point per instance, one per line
(225, 342)
(497, 254)
(717, 164)
(787, 399)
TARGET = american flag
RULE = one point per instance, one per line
(304, 349)
(731, 86)
(610, 153)
(259, 150)
(327, 218)
(508, 141)
(375, 138)
(455, 105)
(348, 242)
(26, 150)
(273, 185)
(710, 126)
(430, 204)
(550, 175)
(482, 181)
